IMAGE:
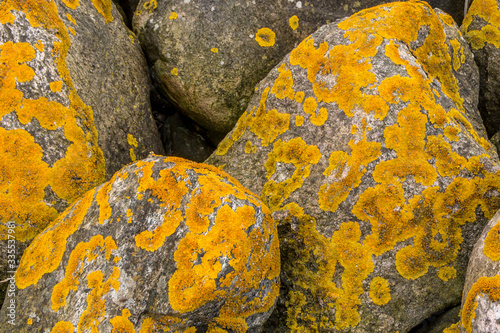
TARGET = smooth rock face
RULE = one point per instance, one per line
(481, 28)
(366, 145)
(208, 56)
(481, 300)
(74, 106)
(165, 244)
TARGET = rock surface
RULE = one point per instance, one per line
(366, 144)
(209, 56)
(481, 301)
(166, 244)
(481, 28)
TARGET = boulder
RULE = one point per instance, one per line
(366, 143)
(481, 28)
(208, 56)
(165, 245)
(74, 107)
(481, 301)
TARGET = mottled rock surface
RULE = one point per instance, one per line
(366, 144)
(165, 245)
(481, 300)
(481, 28)
(208, 56)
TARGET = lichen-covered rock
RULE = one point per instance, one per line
(481, 298)
(165, 244)
(366, 144)
(481, 28)
(74, 106)
(208, 56)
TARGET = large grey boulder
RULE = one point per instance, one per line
(74, 108)
(209, 55)
(165, 245)
(481, 28)
(366, 144)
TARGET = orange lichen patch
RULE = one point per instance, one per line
(448, 163)
(73, 32)
(491, 247)
(265, 37)
(173, 16)
(299, 96)
(150, 5)
(319, 119)
(447, 19)
(70, 18)
(152, 241)
(447, 273)
(46, 251)
(460, 118)
(39, 46)
(301, 155)
(214, 50)
(84, 160)
(294, 22)
(451, 132)
(299, 120)
(104, 7)
(83, 252)
(174, 71)
(198, 258)
(23, 177)
(250, 148)
(237, 133)
(30, 321)
(56, 86)
(344, 171)
(121, 324)
(380, 293)
(131, 140)
(63, 327)
(488, 11)
(453, 328)
(283, 84)
(484, 286)
(458, 54)
(96, 303)
(267, 124)
(407, 138)
(411, 263)
(150, 325)
(72, 4)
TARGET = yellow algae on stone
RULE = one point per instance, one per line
(294, 22)
(265, 37)
(380, 292)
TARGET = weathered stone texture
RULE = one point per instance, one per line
(165, 245)
(366, 144)
(481, 28)
(481, 300)
(209, 55)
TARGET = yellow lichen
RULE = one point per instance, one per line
(173, 16)
(453, 328)
(121, 324)
(447, 273)
(63, 327)
(56, 86)
(72, 4)
(70, 18)
(174, 71)
(487, 11)
(83, 165)
(150, 5)
(265, 37)
(491, 247)
(214, 50)
(104, 7)
(299, 120)
(294, 22)
(484, 286)
(283, 84)
(380, 292)
(299, 96)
